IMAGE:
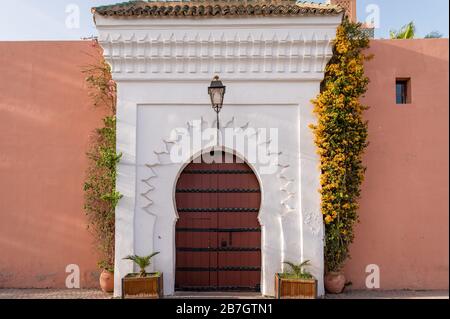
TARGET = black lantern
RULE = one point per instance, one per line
(217, 92)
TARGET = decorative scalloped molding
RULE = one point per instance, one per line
(153, 54)
(284, 180)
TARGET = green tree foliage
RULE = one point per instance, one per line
(408, 31)
(434, 35)
(101, 197)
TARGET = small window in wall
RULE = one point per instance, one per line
(403, 91)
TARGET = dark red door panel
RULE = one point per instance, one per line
(218, 236)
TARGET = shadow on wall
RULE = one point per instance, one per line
(46, 118)
(404, 206)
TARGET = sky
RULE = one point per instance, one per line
(59, 19)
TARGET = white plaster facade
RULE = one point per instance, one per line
(272, 67)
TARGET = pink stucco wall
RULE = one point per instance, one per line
(404, 211)
(46, 119)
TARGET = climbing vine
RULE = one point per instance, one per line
(341, 138)
(101, 197)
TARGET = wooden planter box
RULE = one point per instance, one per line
(150, 287)
(295, 288)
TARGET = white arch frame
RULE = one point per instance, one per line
(271, 215)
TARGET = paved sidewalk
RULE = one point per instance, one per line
(217, 295)
(395, 294)
(97, 294)
(53, 294)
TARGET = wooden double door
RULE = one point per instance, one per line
(218, 236)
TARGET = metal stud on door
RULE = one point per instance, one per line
(218, 236)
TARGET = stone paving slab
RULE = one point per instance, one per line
(97, 294)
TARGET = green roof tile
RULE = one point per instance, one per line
(214, 8)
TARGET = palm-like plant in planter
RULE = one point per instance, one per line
(142, 262)
(142, 284)
(297, 271)
(296, 283)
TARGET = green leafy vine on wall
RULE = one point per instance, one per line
(341, 138)
(101, 197)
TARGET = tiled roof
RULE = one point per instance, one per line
(212, 8)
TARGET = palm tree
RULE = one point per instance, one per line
(142, 262)
(408, 31)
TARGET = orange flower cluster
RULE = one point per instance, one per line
(341, 138)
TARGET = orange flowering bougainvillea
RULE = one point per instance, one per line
(341, 138)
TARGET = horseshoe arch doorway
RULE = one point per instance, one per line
(218, 235)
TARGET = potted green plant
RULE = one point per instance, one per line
(142, 284)
(343, 172)
(101, 196)
(296, 283)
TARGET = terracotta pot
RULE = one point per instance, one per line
(107, 281)
(334, 282)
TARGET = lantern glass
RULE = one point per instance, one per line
(217, 96)
(217, 92)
